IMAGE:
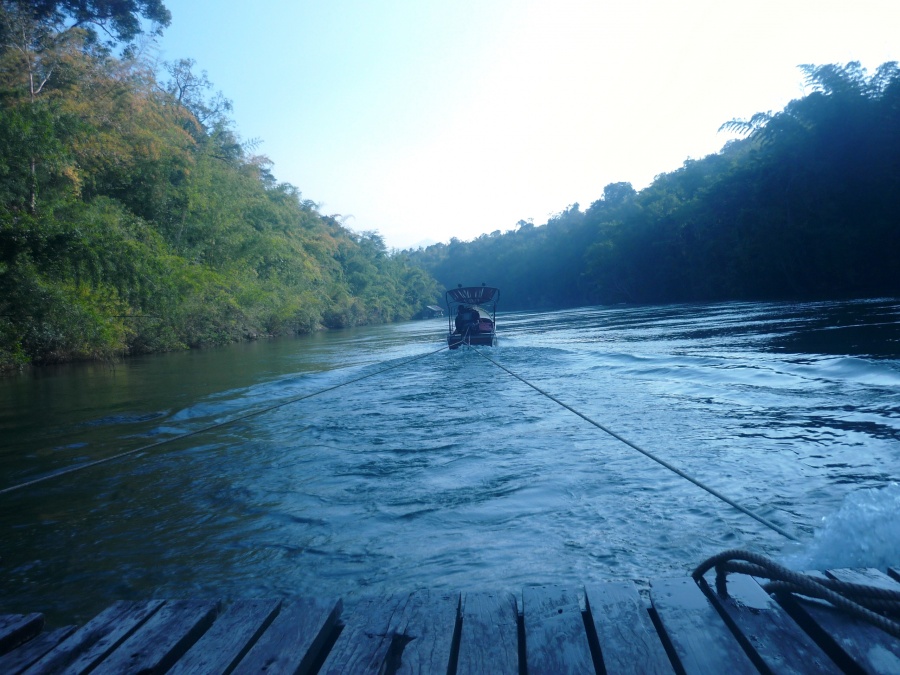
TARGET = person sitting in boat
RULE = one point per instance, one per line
(461, 319)
(466, 319)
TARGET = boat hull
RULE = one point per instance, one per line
(454, 340)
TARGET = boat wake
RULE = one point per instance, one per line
(863, 532)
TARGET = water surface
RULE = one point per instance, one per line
(448, 473)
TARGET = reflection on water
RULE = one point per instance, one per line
(446, 472)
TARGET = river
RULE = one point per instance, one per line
(446, 472)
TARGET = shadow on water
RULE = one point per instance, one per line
(858, 329)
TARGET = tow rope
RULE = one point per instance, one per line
(218, 425)
(644, 452)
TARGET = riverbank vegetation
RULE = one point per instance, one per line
(805, 205)
(134, 219)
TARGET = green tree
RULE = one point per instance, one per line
(120, 20)
(803, 206)
(133, 219)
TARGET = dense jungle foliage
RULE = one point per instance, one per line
(806, 204)
(132, 217)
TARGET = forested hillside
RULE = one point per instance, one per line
(806, 205)
(133, 218)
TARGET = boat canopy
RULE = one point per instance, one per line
(474, 295)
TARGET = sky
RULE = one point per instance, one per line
(431, 119)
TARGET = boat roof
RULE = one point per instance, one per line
(473, 295)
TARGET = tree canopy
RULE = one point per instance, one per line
(806, 205)
(133, 218)
(119, 20)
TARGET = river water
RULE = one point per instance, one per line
(446, 472)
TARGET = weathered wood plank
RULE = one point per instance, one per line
(7, 620)
(867, 577)
(82, 650)
(701, 640)
(424, 633)
(856, 646)
(776, 640)
(162, 639)
(400, 633)
(24, 655)
(556, 641)
(18, 628)
(883, 653)
(703, 632)
(489, 636)
(365, 641)
(294, 640)
(229, 639)
(627, 637)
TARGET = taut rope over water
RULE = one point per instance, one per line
(211, 427)
(647, 453)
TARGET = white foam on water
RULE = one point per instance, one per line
(864, 532)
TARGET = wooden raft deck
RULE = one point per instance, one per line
(599, 628)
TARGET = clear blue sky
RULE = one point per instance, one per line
(429, 119)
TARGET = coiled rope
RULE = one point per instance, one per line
(218, 425)
(861, 601)
(644, 452)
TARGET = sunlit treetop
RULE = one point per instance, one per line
(119, 20)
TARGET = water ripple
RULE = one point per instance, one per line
(448, 473)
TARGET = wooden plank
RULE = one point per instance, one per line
(19, 659)
(295, 638)
(867, 577)
(856, 646)
(489, 636)
(365, 640)
(162, 639)
(699, 637)
(98, 637)
(883, 653)
(556, 641)
(427, 630)
(229, 639)
(18, 628)
(9, 619)
(396, 633)
(777, 642)
(625, 633)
